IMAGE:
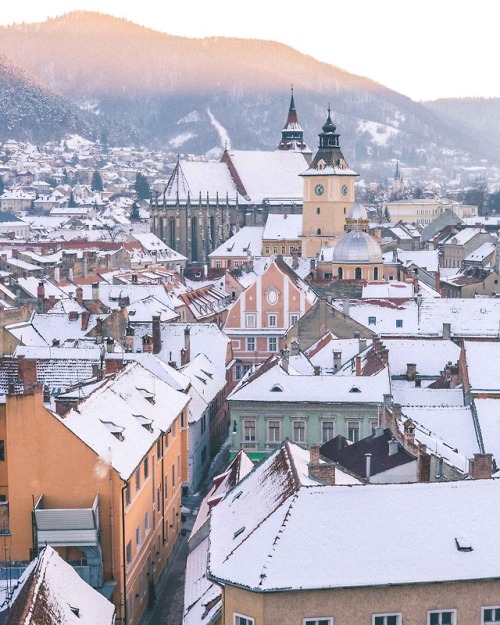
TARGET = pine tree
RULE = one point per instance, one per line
(2, 187)
(96, 184)
(134, 211)
(71, 201)
(141, 187)
(387, 215)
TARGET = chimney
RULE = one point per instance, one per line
(396, 411)
(147, 343)
(481, 467)
(27, 371)
(362, 344)
(321, 471)
(337, 359)
(205, 270)
(384, 355)
(57, 274)
(418, 382)
(110, 345)
(95, 291)
(156, 334)
(357, 335)
(98, 330)
(285, 360)
(79, 295)
(345, 306)
(454, 379)
(379, 430)
(70, 274)
(447, 331)
(85, 319)
(358, 365)
(317, 370)
(393, 446)
(129, 339)
(411, 371)
(40, 296)
(368, 466)
(377, 343)
(187, 343)
(409, 429)
(73, 315)
(84, 265)
(295, 351)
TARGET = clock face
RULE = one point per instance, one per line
(319, 189)
(344, 189)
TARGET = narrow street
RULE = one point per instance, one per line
(169, 605)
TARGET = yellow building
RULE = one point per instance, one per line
(311, 547)
(328, 193)
(98, 478)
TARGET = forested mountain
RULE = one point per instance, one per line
(196, 95)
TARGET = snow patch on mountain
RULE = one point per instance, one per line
(190, 118)
(221, 131)
(379, 133)
(178, 140)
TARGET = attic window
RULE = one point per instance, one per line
(147, 395)
(145, 422)
(463, 543)
(238, 495)
(210, 375)
(238, 532)
(355, 389)
(276, 389)
(76, 611)
(200, 379)
(116, 430)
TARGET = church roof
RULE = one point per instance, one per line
(357, 247)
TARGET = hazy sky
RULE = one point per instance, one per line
(425, 50)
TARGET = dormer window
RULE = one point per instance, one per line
(276, 389)
(145, 422)
(116, 430)
(355, 389)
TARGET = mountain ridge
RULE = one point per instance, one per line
(153, 82)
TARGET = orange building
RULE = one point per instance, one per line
(98, 477)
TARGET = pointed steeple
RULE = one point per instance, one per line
(292, 135)
(397, 175)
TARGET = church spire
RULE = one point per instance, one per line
(292, 135)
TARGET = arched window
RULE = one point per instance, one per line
(318, 210)
(340, 273)
(171, 233)
(194, 239)
(357, 273)
(318, 231)
(375, 273)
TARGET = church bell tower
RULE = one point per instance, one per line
(328, 193)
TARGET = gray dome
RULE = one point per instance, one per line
(358, 211)
(357, 247)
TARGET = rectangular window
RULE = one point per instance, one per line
(165, 486)
(327, 430)
(146, 522)
(173, 476)
(299, 430)
(274, 431)
(283, 250)
(129, 552)
(323, 620)
(138, 538)
(250, 321)
(159, 448)
(491, 614)
(442, 617)
(373, 425)
(237, 372)
(250, 344)
(249, 432)
(293, 319)
(399, 323)
(127, 494)
(267, 250)
(2, 450)
(236, 264)
(393, 618)
(372, 321)
(218, 264)
(275, 249)
(272, 321)
(239, 619)
(146, 468)
(272, 344)
(137, 479)
(353, 431)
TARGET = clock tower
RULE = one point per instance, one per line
(328, 193)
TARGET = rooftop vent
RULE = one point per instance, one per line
(463, 543)
(238, 532)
